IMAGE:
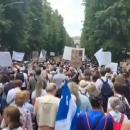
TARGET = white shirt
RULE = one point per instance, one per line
(99, 83)
(12, 95)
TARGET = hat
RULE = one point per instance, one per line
(83, 86)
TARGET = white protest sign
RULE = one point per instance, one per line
(99, 56)
(42, 56)
(52, 53)
(5, 59)
(18, 56)
(113, 66)
(68, 53)
(35, 55)
(103, 58)
(107, 58)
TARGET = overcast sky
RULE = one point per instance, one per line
(73, 13)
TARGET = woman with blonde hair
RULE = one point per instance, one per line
(82, 101)
(25, 114)
(39, 90)
(12, 118)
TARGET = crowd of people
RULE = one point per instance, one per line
(30, 95)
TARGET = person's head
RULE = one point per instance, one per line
(103, 72)
(20, 99)
(95, 77)
(115, 103)
(27, 95)
(87, 75)
(44, 67)
(108, 70)
(96, 102)
(18, 83)
(5, 79)
(12, 117)
(39, 86)
(92, 90)
(11, 77)
(38, 72)
(52, 89)
(119, 85)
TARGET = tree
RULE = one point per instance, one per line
(31, 25)
(107, 25)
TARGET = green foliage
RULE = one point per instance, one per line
(32, 25)
(107, 25)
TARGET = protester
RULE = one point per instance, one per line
(90, 92)
(10, 85)
(3, 103)
(12, 118)
(27, 105)
(46, 108)
(25, 114)
(31, 82)
(105, 87)
(39, 90)
(117, 117)
(119, 93)
(81, 100)
(94, 119)
(59, 78)
(12, 93)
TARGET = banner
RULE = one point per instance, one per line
(35, 55)
(67, 55)
(103, 58)
(52, 53)
(18, 56)
(113, 66)
(76, 58)
(5, 59)
(42, 56)
(107, 58)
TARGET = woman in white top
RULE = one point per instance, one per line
(118, 92)
(12, 118)
(39, 90)
(115, 103)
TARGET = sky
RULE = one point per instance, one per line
(73, 13)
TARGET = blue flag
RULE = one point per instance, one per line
(67, 110)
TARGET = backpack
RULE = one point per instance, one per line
(20, 76)
(106, 92)
(117, 125)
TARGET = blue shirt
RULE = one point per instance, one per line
(97, 121)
